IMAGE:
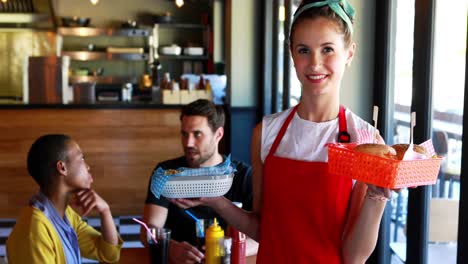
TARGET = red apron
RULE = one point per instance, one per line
(303, 207)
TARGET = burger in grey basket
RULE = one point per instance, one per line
(201, 131)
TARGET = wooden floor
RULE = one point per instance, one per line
(122, 146)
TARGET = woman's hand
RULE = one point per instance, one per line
(379, 193)
(183, 252)
(88, 200)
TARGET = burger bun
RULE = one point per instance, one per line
(380, 150)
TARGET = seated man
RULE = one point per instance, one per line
(201, 130)
(49, 230)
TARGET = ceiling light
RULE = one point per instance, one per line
(282, 14)
(179, 3)
(94, 2)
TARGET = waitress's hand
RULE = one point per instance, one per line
(183, 252)
(376, 192)
(185, 203)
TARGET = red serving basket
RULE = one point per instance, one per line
(383, 172)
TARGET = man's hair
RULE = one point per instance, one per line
(202, 107)
(43, 156)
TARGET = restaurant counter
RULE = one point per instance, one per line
(97, 105)
(122, 144)
(141, 255)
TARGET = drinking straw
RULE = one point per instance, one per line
(197, 221)
(147, 229)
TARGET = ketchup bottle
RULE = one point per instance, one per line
(238, 247)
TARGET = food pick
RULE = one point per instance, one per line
(412, 125)
(375, 117)
(410, 154)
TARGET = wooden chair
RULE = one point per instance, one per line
(443, 220)
(440, 142)
(443, 228)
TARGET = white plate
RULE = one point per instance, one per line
(170, 50)
(193, 51)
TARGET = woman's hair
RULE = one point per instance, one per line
(324, 11)
(202, 107)
(43, 156)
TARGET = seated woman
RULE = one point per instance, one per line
(49, 230)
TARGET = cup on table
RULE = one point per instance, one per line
(200, 230)
(159, 252)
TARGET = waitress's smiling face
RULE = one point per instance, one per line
(199, 141)
(320, 55)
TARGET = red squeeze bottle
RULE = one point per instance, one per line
(238, 247)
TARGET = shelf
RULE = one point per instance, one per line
(22, 18)
(94, 55)
(91, 31)
(102, 79)
(182, 25)
(183, 57)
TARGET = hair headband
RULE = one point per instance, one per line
(345, 12)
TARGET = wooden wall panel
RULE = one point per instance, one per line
(121, 146)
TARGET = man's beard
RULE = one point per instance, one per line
(194, 162)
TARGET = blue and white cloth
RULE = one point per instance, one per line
(66, 233)
(159, 177)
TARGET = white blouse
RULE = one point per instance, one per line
(306, 140)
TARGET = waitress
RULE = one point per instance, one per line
(302, 214)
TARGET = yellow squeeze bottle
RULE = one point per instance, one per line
(213, 237)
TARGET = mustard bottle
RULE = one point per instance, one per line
(208, 86)
(213, 243)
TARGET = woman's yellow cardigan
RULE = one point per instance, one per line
(35, 240)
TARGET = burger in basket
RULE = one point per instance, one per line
(396, 151)
(193, 182)
(385, 166)
(402, 148)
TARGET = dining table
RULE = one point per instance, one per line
(141, 255)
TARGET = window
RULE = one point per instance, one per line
(294, 84)
(403, 83)
(448, 83)
(447, 101)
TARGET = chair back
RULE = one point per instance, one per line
(440, 142)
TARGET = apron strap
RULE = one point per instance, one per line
(282, 131)
(343, 135)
